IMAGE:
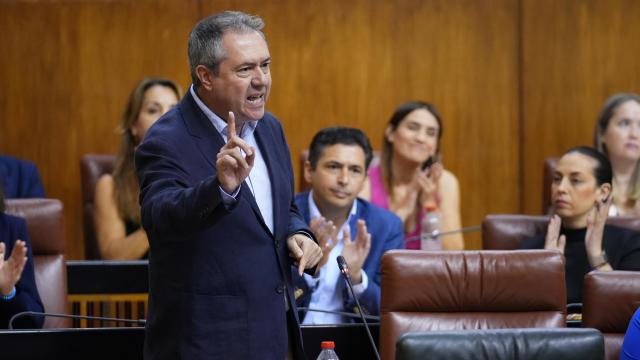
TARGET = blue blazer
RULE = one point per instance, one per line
(386, 233)
(13, 228)
(217, 279)
(20, 179)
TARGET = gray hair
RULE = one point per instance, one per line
(205, 40)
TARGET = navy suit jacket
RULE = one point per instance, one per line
(20, 178)
(386, 234)
(217, 279)
(27, 298)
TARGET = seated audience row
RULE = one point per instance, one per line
(409, 179)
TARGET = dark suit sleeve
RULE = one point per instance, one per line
(33, 184)
(26, 298)
(169, 203)
(370, 298)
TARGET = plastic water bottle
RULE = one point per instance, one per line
(327, 352)
(430, 229)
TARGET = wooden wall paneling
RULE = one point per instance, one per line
(335, 62)
(575, 54)
(352, 62)
(67, 70)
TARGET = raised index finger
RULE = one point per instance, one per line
(231, 126)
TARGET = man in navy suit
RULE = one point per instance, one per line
(344, 225)
(20, 178)
(217, 203)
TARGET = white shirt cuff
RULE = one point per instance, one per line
(228, 199)
(358, 289)
(313, 281)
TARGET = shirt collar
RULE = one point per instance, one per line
(218, 123)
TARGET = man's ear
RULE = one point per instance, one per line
(205, 76)
(308, 171)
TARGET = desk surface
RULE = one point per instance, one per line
(127, 343)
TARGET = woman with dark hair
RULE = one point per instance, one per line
(18, 290)
(581, 194)
(410, 179)
(617, 135)
(117, 211)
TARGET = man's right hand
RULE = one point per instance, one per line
(11, 269)
(553, 240)
(326, 234)
(231, 166)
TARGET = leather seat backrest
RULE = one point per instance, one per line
(45, 225)
(506, 231)
(455, 290)
(92, 167)
(609, 300)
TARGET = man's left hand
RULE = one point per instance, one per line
(355, 251)
(306, 252)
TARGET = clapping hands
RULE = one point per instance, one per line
(11, 269)
(355, 251)
(428, 181)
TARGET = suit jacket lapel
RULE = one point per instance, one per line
(205, 135)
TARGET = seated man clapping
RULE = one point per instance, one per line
(344, 225)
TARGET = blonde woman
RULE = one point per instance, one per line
(617, 135)
(117, 211)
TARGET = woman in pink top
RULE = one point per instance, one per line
(410, 177)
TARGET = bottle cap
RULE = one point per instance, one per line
(328, 345)
(431, 207)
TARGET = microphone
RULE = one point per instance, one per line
(67, 316)
(342, 313)
(344, 269)
(437, 233)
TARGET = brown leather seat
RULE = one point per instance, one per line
(505, 232)
(46, 231)
(609, 300)
(304, 155)
(458, 290)
(92, 167)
